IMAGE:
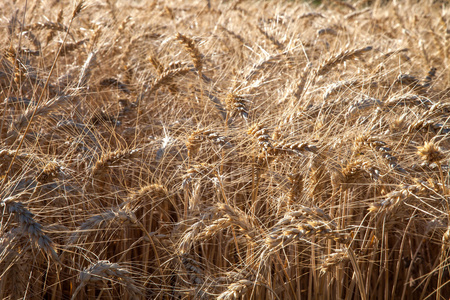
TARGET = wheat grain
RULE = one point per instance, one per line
(332, 261)
(260, 134)
(236, 105)
(311, 15)
(193, 51)
(29, 226)
(236, 290)
(337, 59)
(167, 77)
(264, 63)
(104, 270)
(85, 72)
(430, 153)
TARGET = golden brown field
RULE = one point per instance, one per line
(224, 150)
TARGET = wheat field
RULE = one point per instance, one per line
(224, 149)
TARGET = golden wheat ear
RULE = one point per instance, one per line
(237, 105)
(193, 51)
(340, 58)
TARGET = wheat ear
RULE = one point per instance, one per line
(337, 59)
(193, 51)
(104, 270)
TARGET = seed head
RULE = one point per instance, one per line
(430, 153)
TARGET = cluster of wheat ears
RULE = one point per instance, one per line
(224, 150)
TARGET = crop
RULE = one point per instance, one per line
(224, 150)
